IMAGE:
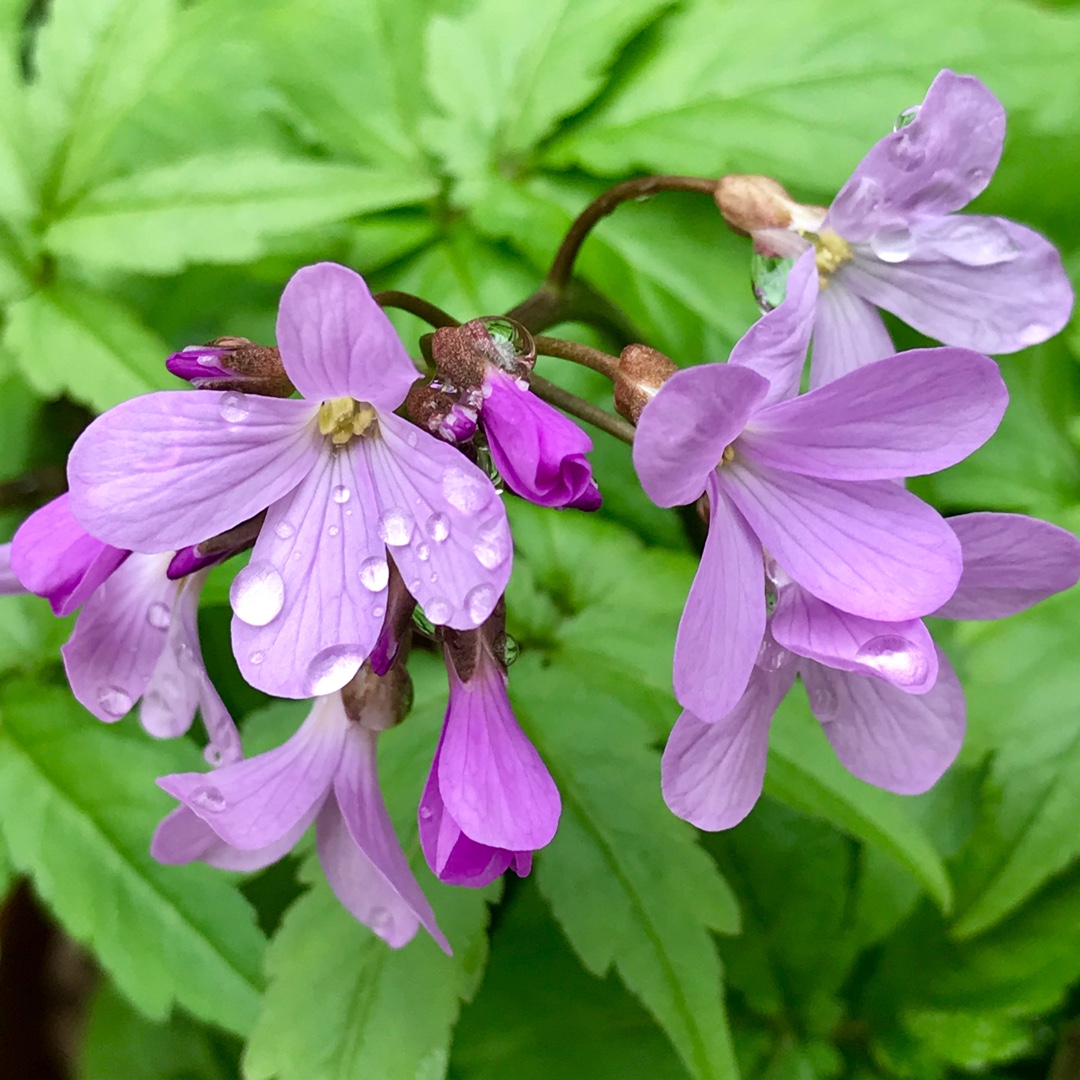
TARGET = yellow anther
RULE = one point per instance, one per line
(831, 252)
(728, 455)
(344, 418)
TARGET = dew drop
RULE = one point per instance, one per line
(438, 611)
(333, 668)
(984, 244)
(374, 573)
(257, 657)
(492, 547)
(906, 117)
(341, 494)
(233, 407)
(158, 615)
(414, 586)
(893, 244)
(438, 527)
(284, 530)
(434, 577)
(426, 813)
(378, 612)
(114, 701)
(208, 798)
(411, 438)
(479, 603)
(896, 659)
(467, 492)
(257, 594)
(333, 530)
(423, 552)
(769, 278)
(395, 527)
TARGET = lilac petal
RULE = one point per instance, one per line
(908, 415)
(872, 549)
(310, 604)
(848, 332)
(254, 803)
(897, 741)
(682, 433)
(169, 469)
(54, 556)
(982, 282)
(335, 340)
(363, 861)
(119, 637)
(775, 346)
(1010, 562)
(724, 619)
(184, 837)
(443, 521)
(936, 164)
(9, 583)
(712, 773)
(539, 452)
(492, 781)
(900, 653)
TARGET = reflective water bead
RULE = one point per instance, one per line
(209, 798)
(115, 701)
(423, 552)
(340, 494)
(466, 491)
(374, 573)
(283, 530)
(493, 545)
(438, 611)
(906, 117)
(823, 702)
(158, 615)
(438, 527)
(333, 530)
(395, 527)
(480, 602)
(233, 407)
(893, 244)
(257, 594)
(896, 658)
(333, 668)
(769, 278)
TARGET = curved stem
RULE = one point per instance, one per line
(583, 410)
(579, 354)
(414, 305)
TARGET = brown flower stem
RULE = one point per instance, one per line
(414, 305)
(579, 354)
(583, 410)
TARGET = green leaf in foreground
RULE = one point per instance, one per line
(78, 806)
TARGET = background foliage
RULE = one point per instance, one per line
(164, 166)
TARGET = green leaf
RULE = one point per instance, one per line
(803, 91)
(16, 184)
(505, 73)
(805, 773)
(69, 339)
(29, 633)
(78, 806)
(220, 208)
(624, 877)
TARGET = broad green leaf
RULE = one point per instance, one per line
(220, 208)
(804, 772)
(78, 806)
(802, 91)
(68, 339)
(30, 635)
(16, 184)
(625, 879)
(384, 239)
(504, 73)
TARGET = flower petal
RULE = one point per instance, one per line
(119, 637)
(444, 523)
(872, 548)
(169, 469)
(722, 624)
(54, 556)
(775, 346)
(981, 282)
(1010, 562)
(848, 332)
(712, 773)
(364, 862)
(682, 432)
(908, 415)
(254, 803)
(936, 164)
(897, 741)
(335, 341)
(310, 604)
(900, 653)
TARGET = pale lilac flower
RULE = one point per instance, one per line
(890, 240)
(136, 636)
(903, 742)
(344, 481)
(812, 480)
(489, 802)
(248, 814)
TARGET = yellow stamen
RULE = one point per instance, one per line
(728, 455)
(344, 418)
(831, 253)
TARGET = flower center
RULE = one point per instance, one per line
(831, 252)
(727, 456)
(344, 418)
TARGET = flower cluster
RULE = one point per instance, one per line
(370, 498)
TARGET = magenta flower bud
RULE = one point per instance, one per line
(199, 365)
(232, 363)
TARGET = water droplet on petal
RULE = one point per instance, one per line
(438, 527)
(374, 573)
(906, 117)
(896, 659)
(378, 612)
(213, 755)
(823, 702)
(769, 278)
(493, 545)
(114, 701)
(414, 586)
(984, 244)
(333, 530)
(158, 615)
(423, 552)
(466, 491)
(341, 494)
(233, 407)
(480, 602)
(208, 798)
(893, 244)
(411, 437)
(395, 527)
(284, 530)
(426, 813)
(257, 657)
(333, 668)
(257, 594)
(438, 611)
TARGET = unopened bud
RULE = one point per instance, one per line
(462, 353)
(451, 416)
(758, 205)
(217, 549)
(378, 702)
(232, 363)
(642, 371)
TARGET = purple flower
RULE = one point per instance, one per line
(232, 363)
(812, 479)
(489, 801)
(136, 635)
(344, 481)
(713, 772)
(890, 240)
(248, 814)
